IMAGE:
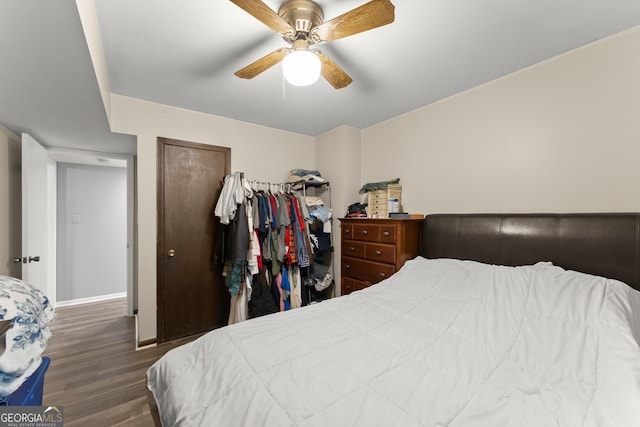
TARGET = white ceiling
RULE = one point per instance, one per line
(47, 84)
(184, 53)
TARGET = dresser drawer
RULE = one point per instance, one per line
(351, 285)
(380, 253)
(371, 251)
(359, 284)
(353, 248)
(366, 232)
(348, 285)
(374, 233)
(388, 234)
(347, 231)
(367, 271)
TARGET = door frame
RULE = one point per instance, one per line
(160, 258)
(75, 156)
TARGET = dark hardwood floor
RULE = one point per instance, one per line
(96, 374)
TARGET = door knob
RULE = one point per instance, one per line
(34, 259)
(17, 260)
(171, 253)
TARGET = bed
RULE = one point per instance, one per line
(503, 320)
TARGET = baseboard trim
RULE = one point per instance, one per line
(146, 344)
(141, 345)
(90, 299)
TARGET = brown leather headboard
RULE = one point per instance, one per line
(605, 244)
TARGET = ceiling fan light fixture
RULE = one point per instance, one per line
(301, 23)
(301, 67)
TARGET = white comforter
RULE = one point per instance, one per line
(440, 343)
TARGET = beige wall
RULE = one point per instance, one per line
(560, 136)
(563, 135)
(338, 158)
(261, 153)
(10, 203)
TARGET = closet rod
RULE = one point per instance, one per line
(270, 185)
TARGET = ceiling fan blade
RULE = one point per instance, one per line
(264, 14)
(370, 15)
(262, 64)
(332, 72)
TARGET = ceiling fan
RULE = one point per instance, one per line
(301, 24)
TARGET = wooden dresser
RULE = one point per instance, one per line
(374, 249)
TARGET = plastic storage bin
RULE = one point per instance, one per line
(30, 392)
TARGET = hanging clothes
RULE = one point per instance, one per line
(267, 241)
(262, 301)
(240, 303)
(234, 208)
(231, 196)
(296, 288)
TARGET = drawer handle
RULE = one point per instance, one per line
(383, 275)
(347, 266)
(365, 232)
(378, 252)
(385, 233)
(351, 248)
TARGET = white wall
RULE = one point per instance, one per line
(10, 203)
(560, 136)
(92, 250)
(261, 153)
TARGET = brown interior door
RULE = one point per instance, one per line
(192, 297)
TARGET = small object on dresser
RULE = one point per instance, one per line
(357, 210)
(378, 200)
(394, 205)
(399, 215)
